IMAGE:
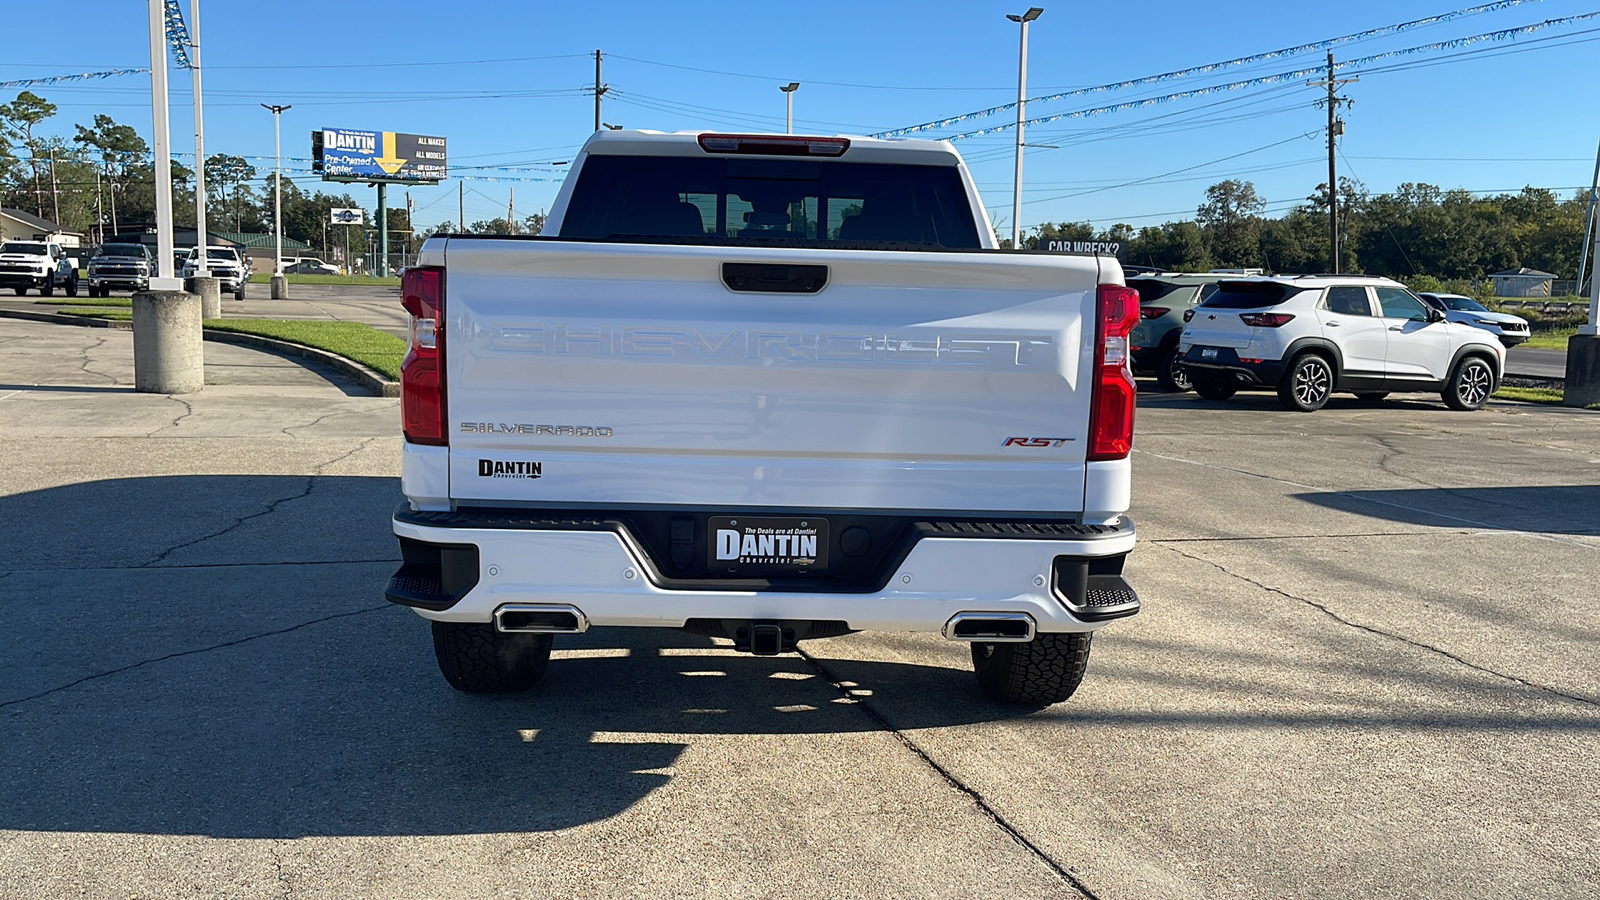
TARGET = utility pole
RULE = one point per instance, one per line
(99, 212)
(1022, 102)
(461, 212)
(203, 263)
(788, 96)
(1335, 128)
(511, 211)
(55, 196)
(599, 89)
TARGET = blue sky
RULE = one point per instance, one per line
(504, 81)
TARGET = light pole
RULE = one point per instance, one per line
(788, 97)
(164, 279)
(203, 264)
(279, 283)
(1022, 102)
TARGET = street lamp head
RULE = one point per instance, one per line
(1033, 13)
(790, 88)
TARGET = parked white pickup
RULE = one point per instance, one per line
(766, 388)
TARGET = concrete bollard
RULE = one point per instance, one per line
(210, 291)
(168, 352)
(1582, 386)
(280, 287)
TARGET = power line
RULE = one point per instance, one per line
(1286, 52)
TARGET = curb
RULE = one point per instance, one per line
(370, 379)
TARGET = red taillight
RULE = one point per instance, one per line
(1266, 320)
(1188, 314)
(1112, 400)
(1152, 312)
(774, 144)
(422, 372)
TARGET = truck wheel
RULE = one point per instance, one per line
(478, 659)
(1040, 672)
(72, 285)
(1171, 373)
(1307, 385)
(49, 286)
(1213, 388)
(20, 291)
(1470, 385)
(238, 293)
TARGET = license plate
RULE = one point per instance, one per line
(748, 545)
(1208, 353)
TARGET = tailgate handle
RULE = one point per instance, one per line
(774, 278)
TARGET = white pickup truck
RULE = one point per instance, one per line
(767, 389)
(37, 264)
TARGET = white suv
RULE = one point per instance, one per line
(1311, 335)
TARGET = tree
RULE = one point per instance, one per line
(1231, 219)
(18, 119)
(120, 149)
(222, 171)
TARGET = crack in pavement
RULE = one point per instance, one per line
(311, 481)
(188, 410)
(84, 367)
(1061, 871)
(182, 653)
(1440, 651)
(320, 419)
(283, 877)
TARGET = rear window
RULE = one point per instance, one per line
(769, 201)
(1163, 290)
(1249, 294)
(20, 247)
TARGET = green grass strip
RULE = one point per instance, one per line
(124, 302)
(1554, 339)
(352, 340)
(1550, 396)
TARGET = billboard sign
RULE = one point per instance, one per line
(343, 154)
(347, 217)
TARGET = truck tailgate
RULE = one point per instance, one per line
(912, 381)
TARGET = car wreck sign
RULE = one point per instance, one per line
(1085, 248)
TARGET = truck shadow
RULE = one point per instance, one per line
(1553, 509)
(252, 682)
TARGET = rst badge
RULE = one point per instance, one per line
(1035, 442)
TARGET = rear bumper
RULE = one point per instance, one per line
(1226, 361)
(608, 576)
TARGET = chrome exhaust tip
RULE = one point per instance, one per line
(541, 618)
(990, 627)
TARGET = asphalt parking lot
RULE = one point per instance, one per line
(1366, 667)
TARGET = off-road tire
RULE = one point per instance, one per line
(49, 286)
(477, 659)
(1213, 388)
(72, 286)
(1171, 374)
(1307, 383)
(1040, 672)
(238, 293)
(1371, 398)
(1470, 385)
